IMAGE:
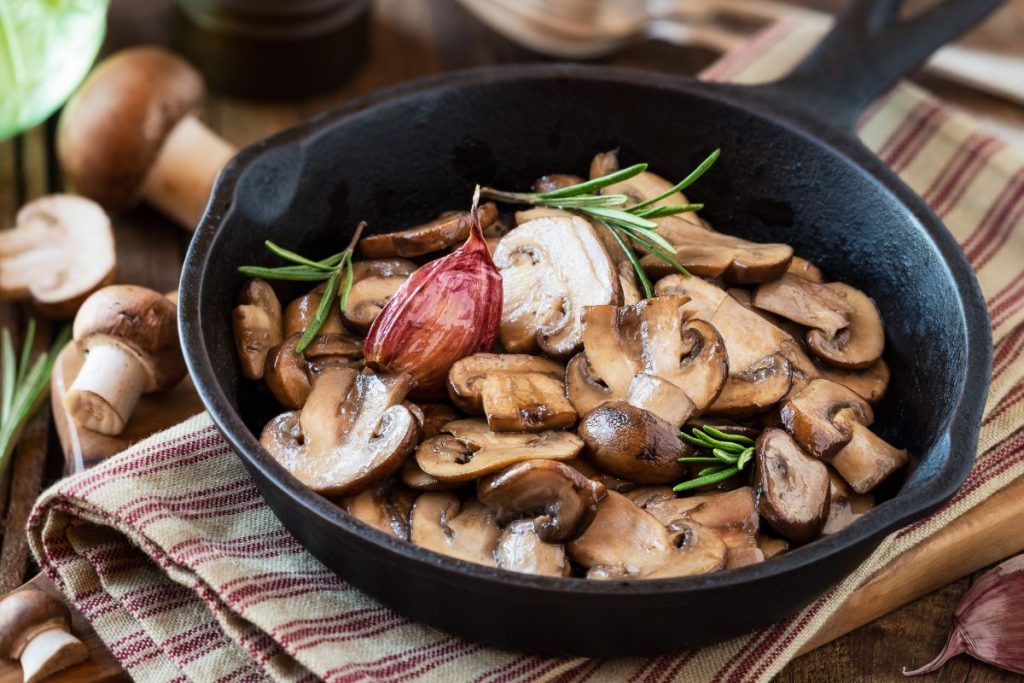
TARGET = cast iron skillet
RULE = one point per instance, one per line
(790, 171)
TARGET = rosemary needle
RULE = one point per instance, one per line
(730, 454)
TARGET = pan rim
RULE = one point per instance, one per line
(962, 427)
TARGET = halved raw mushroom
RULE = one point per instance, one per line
(298, 314)
(560, 500)
(385, 507)
(60, 251)
(870, 383)
(466, 378)
(290, 375)
(803, 268)
(845, 505)
(805, 302)
(257, 324)
(704, 297)
(352, 432)
(791, 487)
(633, 443)
(469, 450)
(526, 402)
(867, 459)
(448, 229)
(624, 542)
(755, 389)
(860, 344)
(442, 523)
(551, 268)
(520, 549)
(373, 285)
(821, 417)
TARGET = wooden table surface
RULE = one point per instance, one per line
(413, 38)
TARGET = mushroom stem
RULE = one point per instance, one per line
(106, 390)
(180, 180)
(50, 651)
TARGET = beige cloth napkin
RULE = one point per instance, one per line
(187, 576)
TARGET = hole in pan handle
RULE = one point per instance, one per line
(868, 50)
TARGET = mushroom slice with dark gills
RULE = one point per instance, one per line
(808, 303)
(551, 268)
(561, 501)
(857, 346)
(373, 284)
(625, 542)
(791, 487)
(466, 377)
(821, 417)
(634, 444)
(384, 506)
(447, 230)
(469, 450)
(466, 531)
(352, 432)
(520, 549)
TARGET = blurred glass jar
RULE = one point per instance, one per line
(46, 48)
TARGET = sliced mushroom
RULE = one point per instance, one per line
(821, 417)
(551, 268)
(588, 470)
(867, 459)
(555, 181)
(352, 432)
(257, 325)
(60, 251)
(526, 402)
(633, 443)
(732, 514)
(417, 479)
(803, 268)
(520, 549)
(771, 546)
(791, 487)
(624, 542)
(290, 375)
(858, 346)
(527, 215)
(299, 314)
(821, 307)
(385, 507)
(435, 417)
(442, 523)
(448, 229)
(704, 297)
(466, 378)
(560, 500)
(373, 285)
(870, 383)
(660, 397)
(469, 450)
(845, 505)
(754, 390)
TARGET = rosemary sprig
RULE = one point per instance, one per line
(336, 270)
(24, 386)
(730, 453)
(632, 224)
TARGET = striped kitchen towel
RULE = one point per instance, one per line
(187, 576)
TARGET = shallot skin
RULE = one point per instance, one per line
(448, 309)
(988, 624)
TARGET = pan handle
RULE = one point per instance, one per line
(869, 49)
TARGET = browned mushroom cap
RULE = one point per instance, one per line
(352, 433)
(35, 628)
(466, 378)
(373, 285)
(114, 127)
(443, 524)
(526, 402)
(867, 460)
(60, 251)
(808, 303)
(257, 325)
(792, 488)
(448, 229)
(520, 549)
(555, 181)
(625, 542)
(820, 417)
(845, 505)
(704, 297)
(298, 314)
(417, 479)
(588, 470)
(805, 269)
(858, 346)
(870, 383)
(560, 500)
(385, 507)
(290, 375)
(469, 450)
(754, 390)
(713, 254)
(633, 443)
(130, 337)
(551, 268)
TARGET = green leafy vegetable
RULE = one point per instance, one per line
(730, 453)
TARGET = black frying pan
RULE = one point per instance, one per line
(790, 171)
